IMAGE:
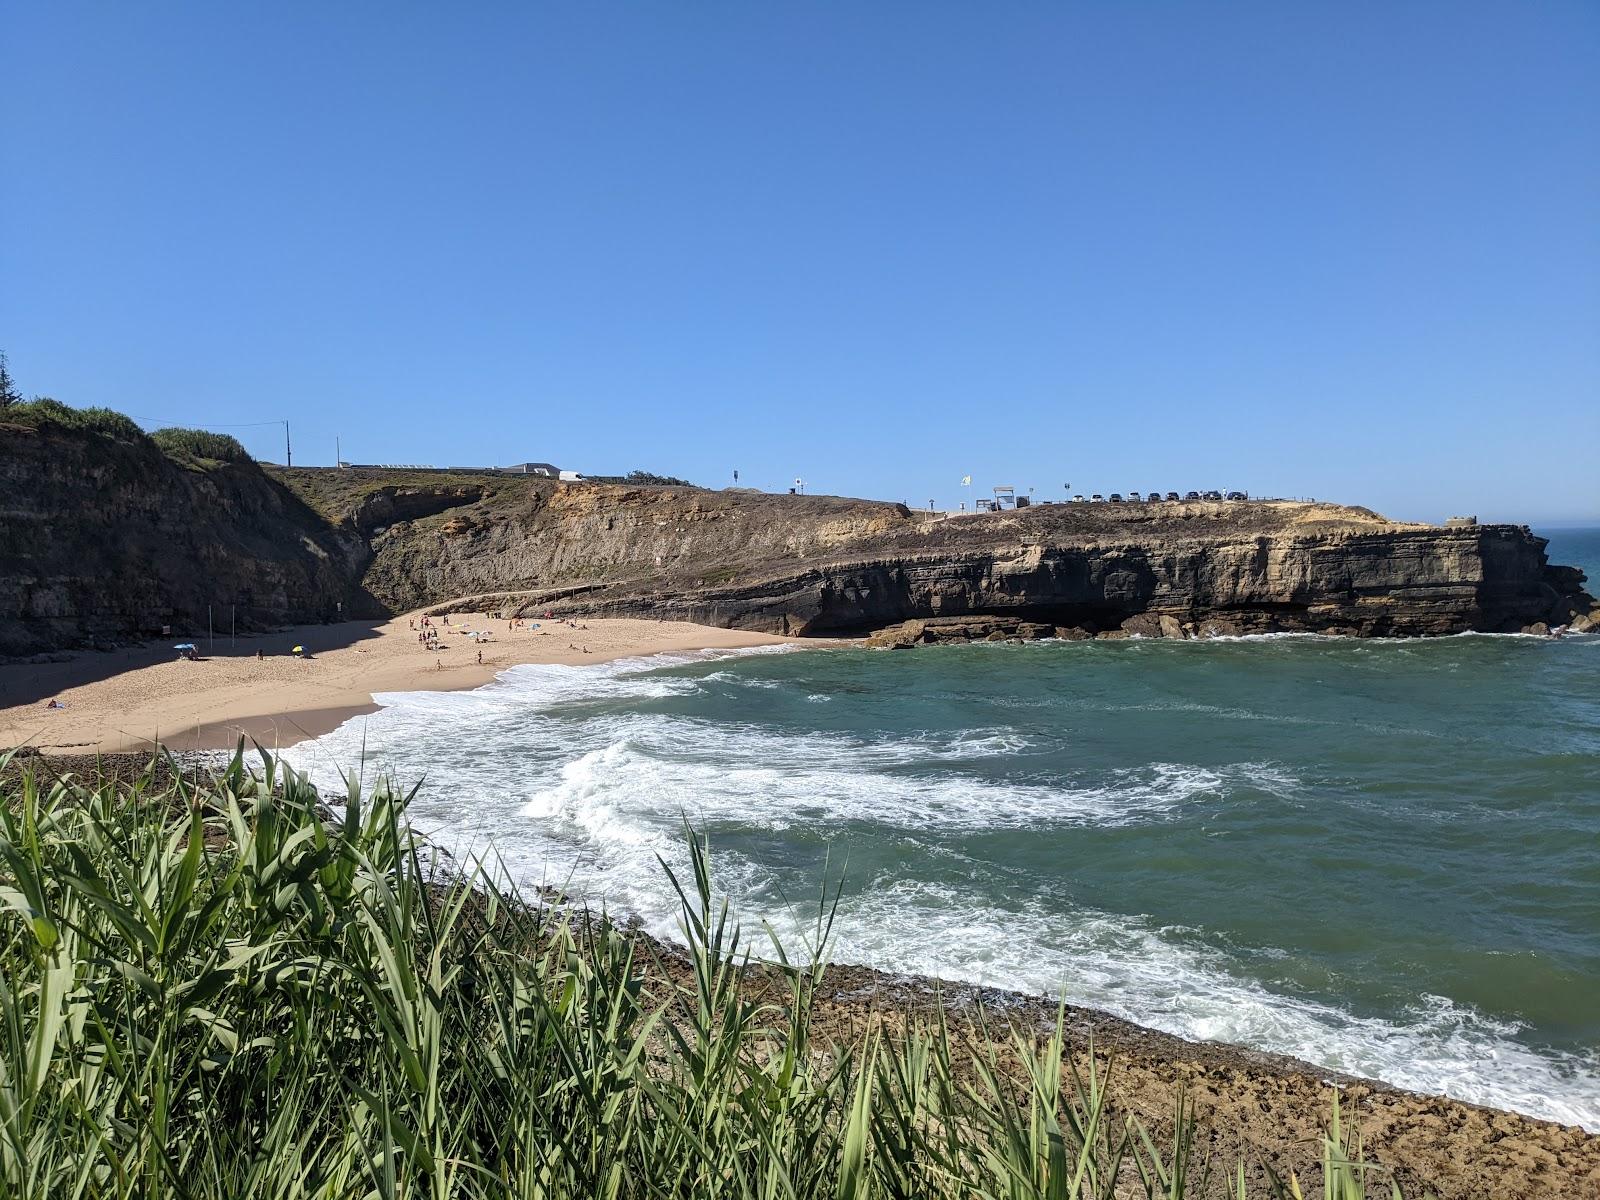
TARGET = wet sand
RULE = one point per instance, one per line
(131, 699)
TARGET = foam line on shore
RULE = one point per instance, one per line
(583, 776)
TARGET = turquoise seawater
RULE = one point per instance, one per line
(1379, 856)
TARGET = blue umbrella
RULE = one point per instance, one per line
(184, 646)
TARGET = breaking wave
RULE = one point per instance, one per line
(583, 777)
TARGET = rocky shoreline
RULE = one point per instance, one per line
(1266, 1109)
(958, 631)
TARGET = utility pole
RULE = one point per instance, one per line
(288, 454)
(338, 455)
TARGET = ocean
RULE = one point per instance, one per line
(1379, 856)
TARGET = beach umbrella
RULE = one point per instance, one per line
(184, 646)
(299, 650)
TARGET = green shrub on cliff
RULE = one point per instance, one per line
(643, 478)
(200, 443)
(225, 990)
(42, 411)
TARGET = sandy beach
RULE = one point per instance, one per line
(130, 699)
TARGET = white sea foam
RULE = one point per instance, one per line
(561, 772)
(1160, 979)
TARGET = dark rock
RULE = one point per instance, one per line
(1566, 608)
(1142, 625)
(105, 541)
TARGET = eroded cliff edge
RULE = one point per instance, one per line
(105, 541)
(826, 565)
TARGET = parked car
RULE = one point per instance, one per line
(1097, 498)
(1077, 499)
(1212, 495)
(1237, 496)
(1173, 496)
(1191, 495)
(1115, 497)
(1135, 498)
(1152, 497)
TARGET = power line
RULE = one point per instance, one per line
(234, 425)
(288, 454)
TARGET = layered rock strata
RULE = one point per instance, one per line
(102, 540)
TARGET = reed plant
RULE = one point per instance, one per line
(242, 988)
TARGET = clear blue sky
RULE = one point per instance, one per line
(1341, 250)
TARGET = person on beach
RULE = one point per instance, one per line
(438, 664)
(480, 658)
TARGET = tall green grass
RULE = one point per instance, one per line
(42, 411)
(200, 443)
(228, 990)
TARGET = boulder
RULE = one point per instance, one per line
(1071, 633)
(1033, 631)
(1538, 627)
(1171, 627)
(1142, 625)
(998, 635)
(895, 637)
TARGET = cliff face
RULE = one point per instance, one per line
(102, 540)
(810, 565)
(105, 541)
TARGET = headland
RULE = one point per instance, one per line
(110, 540)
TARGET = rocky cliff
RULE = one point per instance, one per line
(815, 565)
(106, 540)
